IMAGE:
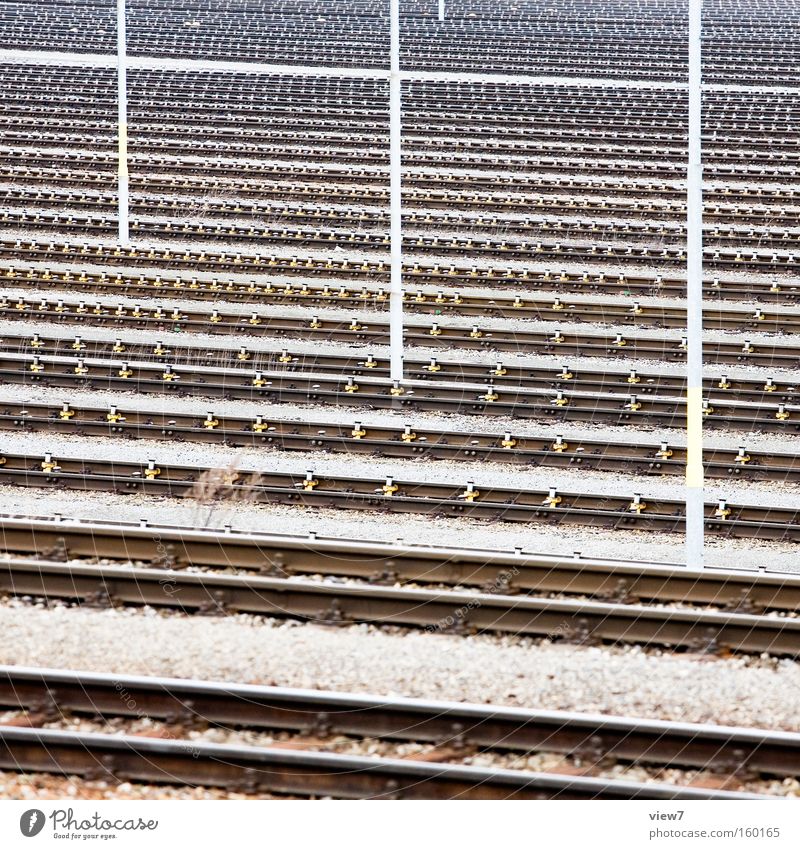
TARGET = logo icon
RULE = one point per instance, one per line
(31, 822)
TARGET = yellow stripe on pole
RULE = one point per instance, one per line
(694, 437)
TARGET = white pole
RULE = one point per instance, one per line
(441, 10)
(122, 100)
(694, 302)
(396, 230)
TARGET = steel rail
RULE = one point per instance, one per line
(280, 555)
(60, 218)
(485, 338)
(151, 202)
(277, 387)
(298, 773)
(420, 301)
(372, 271)
(656, 253)
(632, 512)
(593, 738)
(729, 168)
(408, 441)
(438, 611)
(100, 177)
(644, 384)
(351, 136)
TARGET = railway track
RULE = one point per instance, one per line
(376, 331)
(298, 773)
(646, 384)
(633, 512)
(447, 725)
(375, 272)
(339, 604)
(374, 393)
(59, 540)
(771, 255)
(434, 303)
(408, 441)
(554, 195)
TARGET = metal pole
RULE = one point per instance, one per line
(694, 302)
(122, 100)
(441, 10)
(396, 231)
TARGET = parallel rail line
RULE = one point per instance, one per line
(439, 611)
(773, 255)
(298, 773)
(772, 211)
(439, 302)
(409, 441)
(376, 332)
(644, 384)
(634, 512)
(448, 724)
(173, 547)
(374, 393)
(376, 271)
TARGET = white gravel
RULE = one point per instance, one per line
(484, 669)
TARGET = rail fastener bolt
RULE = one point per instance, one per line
(722, 510)
(309, 483)
(152, 471)
(113, 417)
(408, 435)
(65, 413)
(552, 499)
(470, 494)
(210, 422)
(49, 464)
(508, 440)
(389, 488)
(637, 505)
(664, 452)
(559, 446)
